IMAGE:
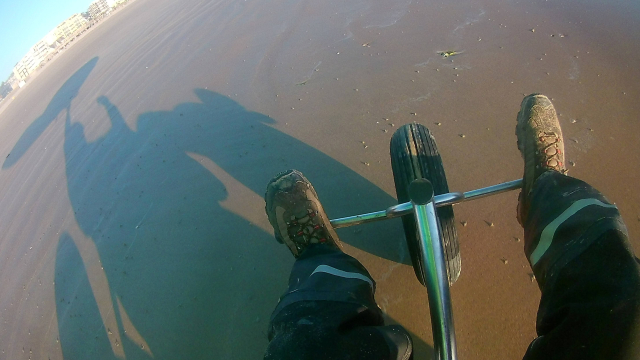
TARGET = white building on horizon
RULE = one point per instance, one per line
(64, 32)
(34, 57)
(69, 28)
(99, 9)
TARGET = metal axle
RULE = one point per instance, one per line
(439, 200)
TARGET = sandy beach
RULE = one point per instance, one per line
(132, 222)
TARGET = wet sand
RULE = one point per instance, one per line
(134, 165)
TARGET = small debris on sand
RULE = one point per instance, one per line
(365, 163)
(573, 121)
(438, 123)
(461, 135)
(517, 239)
(572, 163)
(464, 223)
(446, 54)
(533, 30)
(504, 261)
(575, 140)
(532, 277)
(489, 223)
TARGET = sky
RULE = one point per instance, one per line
(25, 22)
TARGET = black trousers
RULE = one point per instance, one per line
(578, 249)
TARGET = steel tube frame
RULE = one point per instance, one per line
(432, 253)
(436, 281)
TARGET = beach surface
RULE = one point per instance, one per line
(132, 222)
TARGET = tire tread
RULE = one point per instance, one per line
(414, 155)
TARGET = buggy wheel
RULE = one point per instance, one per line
(414, 155)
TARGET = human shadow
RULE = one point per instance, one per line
(79, 319)
(181, 275)
(83, 334)
(60, 101)
(178, 264)
(247, 147)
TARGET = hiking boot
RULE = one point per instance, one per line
(296, 214)
(541, 144)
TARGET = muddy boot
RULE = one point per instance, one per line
(541, 144)
(296, 214)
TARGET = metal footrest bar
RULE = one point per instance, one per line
(439, 200)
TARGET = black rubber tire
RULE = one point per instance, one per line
(414, 155)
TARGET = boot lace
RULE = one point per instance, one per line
(306, 229)
(550, 151)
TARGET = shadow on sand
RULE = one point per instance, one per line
(161, 269)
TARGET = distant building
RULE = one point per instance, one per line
(12, 80)
(30, 62)
(39, 53)
(21, 70)
(70, 27)
(5, 89)
(99, 9)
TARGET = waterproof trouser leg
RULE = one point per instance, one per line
(577, 245)
(329, 312)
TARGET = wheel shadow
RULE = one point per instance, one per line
(158, 267)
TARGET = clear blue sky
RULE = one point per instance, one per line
(25, 22)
